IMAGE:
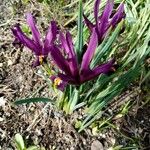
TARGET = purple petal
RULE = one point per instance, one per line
(91, 74)
(73, 58)
(96, 9)
(50, 37)
(118, 15)
(69, 51)
(89, 52)
(64, 43)
(88, 23)
(70, 45)
(62, 85)
(107, 11)
(34, 30)
(69, 79)
(59, 60)
(22, 38)
(103, 22)
(53, 77)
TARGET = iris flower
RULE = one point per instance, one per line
(66, 60)
(36, 45)
(106, 20)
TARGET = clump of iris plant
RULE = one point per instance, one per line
(70, 64)
(62, 50)
(106, 20)
(77, 73)
(37, 45)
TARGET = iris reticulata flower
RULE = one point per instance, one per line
(106, 20)
(38, 46)
(66, 60)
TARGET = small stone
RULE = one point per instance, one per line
(1, 65)
(140, 130)
(97, 145)
(72, 148)
(102, 135)
(113, 141)
(9, 63)
(20, 79)
(1, 119)
(2, 101)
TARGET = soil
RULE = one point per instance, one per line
(43, 124)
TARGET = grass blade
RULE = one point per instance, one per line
(32, 100)
(79, 43)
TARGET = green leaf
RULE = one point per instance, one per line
(79, 105)
(25, 1)
(146, 77)
(19, 142)
(103, 98)
(72, 101)
(140, 53)
(32, 148)
(92, 119)
(40, 1)
(102, 81)
(32, 100)
(79, 43)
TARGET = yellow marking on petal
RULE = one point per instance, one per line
(41, 59)
(57, 81)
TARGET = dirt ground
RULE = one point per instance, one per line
(43, 124)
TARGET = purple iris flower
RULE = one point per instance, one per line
(39, 48)
(66, 60)
(106, 20)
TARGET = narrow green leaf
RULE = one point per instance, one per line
(32, 100)
(108, 94)
(25, 1)
(79, 105)
(19, 142)
(32, 148)
(73, 101)
(79, 44)
(147, 76)
(139, 53)
(83, 126)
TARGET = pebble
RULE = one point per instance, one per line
(1, 119)
(9, 63)
(2, 101)
(97, 145)
(1, 65)
(113, 141)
